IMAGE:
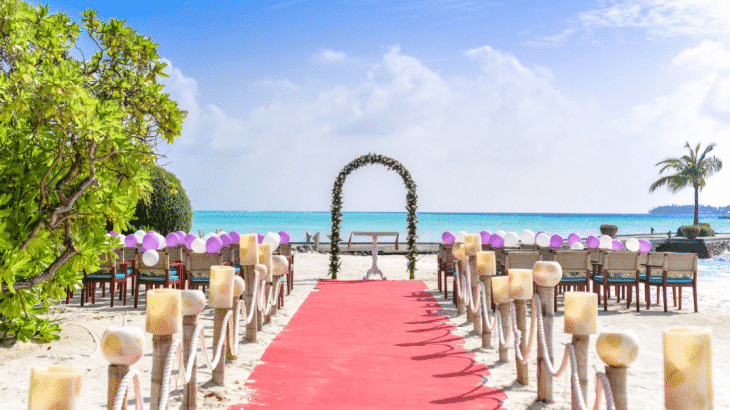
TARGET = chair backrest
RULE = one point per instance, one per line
(176, 252)
(227, 254)
(284, 249)
(198, 264)
(129, 252)
(521, 260)
(596, 254)
(162, 264)
(655, 258)
(680, 264)
(529, 247)
(446, 258)
(573, 261)
(107, 262)
(621, 261)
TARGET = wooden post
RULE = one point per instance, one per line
(617, 379)
(477, 312)
(249, 275)
(160, 349)
(269, 288)
(580, 344)
(190, 389)
(230, 356)
(544, 377)
(277, 284)
(486, 333)
(521, 308)
(219, 372)
(504, 348)
(460, 300)
(116, 374)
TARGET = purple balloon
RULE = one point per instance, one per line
(181, 234)
(644, 246)
(130, 241)
(593, 242)
(538, 233)
(448, 238)
(556, 241)
(225, 239)
(172, 239)
(496, 241)
(616, 245)
(486, 236)
(150, 240)
(235, 237)
(573, 238)
(213, 244)
(114, 233)
(261, 238)
(189, 240)
(285, 237)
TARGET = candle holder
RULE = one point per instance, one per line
(500, 296)
(617, 349)
(520, 291)
(486, 268)
(163, 317)
(193, 303)
(220, 297)
(688, 368)
(581, 320)
(122, 347)
(248, 250)
(458, 250)
(263, 273)
(54, 387)
(547, 275)
(266, 258)
(239, 287)
(280, 265)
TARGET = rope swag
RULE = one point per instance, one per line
(411, 205)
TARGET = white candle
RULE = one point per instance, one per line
(547, 273)
(500, 290)
(163, 311)
(473, 244)
(280, 265)
(687, 368)
(123, 345)
(486, 265)
(265, 258)
(261, 270)
(221, 287)
(520, 284)
(193, 302)
(459, 251)
(617, 348)
(581, 313)
(239, 286)
(249, 249)
(54, 387)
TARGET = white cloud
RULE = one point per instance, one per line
(551, 41)
(329, 56)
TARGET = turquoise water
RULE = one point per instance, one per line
(432, 225)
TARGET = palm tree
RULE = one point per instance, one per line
(690, 170)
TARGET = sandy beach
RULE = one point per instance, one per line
(83, 327)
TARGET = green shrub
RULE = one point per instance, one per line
(706, 231)
(704, 224)
(609, 230)
(167, 209)
(689, 231)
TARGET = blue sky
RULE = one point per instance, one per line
(511, 106)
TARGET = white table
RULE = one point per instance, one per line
(374, 234)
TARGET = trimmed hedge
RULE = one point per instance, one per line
(168, 208)
(703, 231)
(690, 231)
(609, 230)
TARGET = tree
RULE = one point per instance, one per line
(168, 208)
(690, 170)
(76, 137)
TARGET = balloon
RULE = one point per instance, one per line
(486, 235)
(527, 237)
(448, 238)
(497, 240)
(151, 241)
(226, 239)
(645, 246)
(632, 244)
(150, 257)
(130, 241)
(556, 241)
(593, 242)
(272, 239)
(511, 239)
(261, 238)
(172, 239)
(213, 244)
(122, 238)
(235, 237)
(139, 235)
(573, 238)
(460, 237)
(163, 243)
(606, 242)
(285, 237)
(538, 233)
(543, 240)
(616, 245)
(577, 246)
(188, 241)
(198, 246)
(501, 233)
(114, 233)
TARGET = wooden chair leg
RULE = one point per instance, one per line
(694, 295)
(664, 293)
(680, 298)
(606, 291)
(674, 295)
(111, 290)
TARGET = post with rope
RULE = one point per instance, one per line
(266, 258)
(473, 245)
(163, 315)
(262, 272)
(520, 291)
(581, 320)
(221, 299)
(193, 302)
(547, 275)
(249, 257)
(122, 347)
(486, 268)
(500, 294)
(239, 286)
(618, 349)
(458, 250)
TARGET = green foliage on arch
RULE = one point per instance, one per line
(411, 206)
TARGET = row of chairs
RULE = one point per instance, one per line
(623, 270)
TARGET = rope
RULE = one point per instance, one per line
(132, 374)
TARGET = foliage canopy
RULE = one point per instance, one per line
(168, 208)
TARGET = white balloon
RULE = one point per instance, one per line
(632, 244)
(543, 240)
(577, 246)
(198, 245)
(139, 234)
(163, 243)
(121, 239)
(272, 239)
(511, 240)
(501, 233)
(606, 242)
(527, 237)
(150, 257)
(460, 237)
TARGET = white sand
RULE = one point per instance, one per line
(77, 347)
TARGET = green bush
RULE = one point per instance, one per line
(167, 209)
(704, 224)
(689, 231)
(706, 231)
(609, 230)
(702, 231)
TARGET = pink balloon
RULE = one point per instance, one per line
(486, 236)
(448, 238)
(285, 237)
(130, 241)
(225, 239)
(213, 245)
(496, 240)
(644, 246)
(573, 238)
(616, 245)
(172, 239)
(114, 233)
(556, 241)
(593, 242)
(261, 238)
(189, 240)
(150, 241)
(235, 237)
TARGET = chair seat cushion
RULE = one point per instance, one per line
(599, 278)
(102, 276)
(573, 279)
(200, 280)
(237, 269)
(670, 281)
(156, 278)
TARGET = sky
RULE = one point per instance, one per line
(492, 106)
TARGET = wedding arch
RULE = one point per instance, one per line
(411, 205)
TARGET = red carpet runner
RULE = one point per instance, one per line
(369, 345)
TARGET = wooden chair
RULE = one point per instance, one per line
(198, 268)
(107, 273)
(520, 260)
(130, 258)
(678, 270)
(615, 263)
(573, 262)
(286, 250)
(163, 273)
(446, 267)
(654, 262)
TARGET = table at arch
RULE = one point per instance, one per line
(374, 234)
